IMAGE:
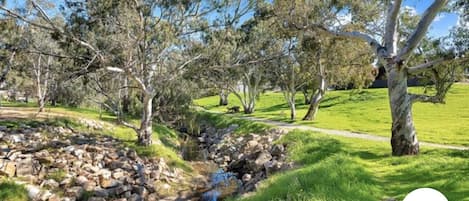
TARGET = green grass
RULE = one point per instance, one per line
(369, 112)
(344, 169)
(10, 191)
(168, 137)
(223, 121)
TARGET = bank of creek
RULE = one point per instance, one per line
(233, 164)
(60, 163)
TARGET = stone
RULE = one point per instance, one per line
(118, 174)
(122, 189)
(135, 197)
(7, 168)
(140, 190)
(75, 192)
(112, 155)
(50, 184)
(12, 155)
(132, 154)
(78, 153)
(24, 167)
(3, 128)
(277, 150)
(96, 199)
(107, 182)
(81, 180)
(69, 149)
(33, 191)
(45, 159)
(262, 158)
(45, 195)
(54, 198)
(246, 177)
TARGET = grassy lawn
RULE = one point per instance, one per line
(369, 112)
(168, 137)
(343, 169)
(10, 191)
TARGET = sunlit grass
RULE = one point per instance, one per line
(369, 112)
(343, 169)
(10, 191)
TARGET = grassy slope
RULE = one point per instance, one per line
(369, 112)
(342, 169)
(167, 136)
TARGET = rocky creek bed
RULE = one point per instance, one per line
(57, 163)
(242, 160)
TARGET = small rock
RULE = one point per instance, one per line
(50, 183)
(246, 177)
(277, 150)
(81, 180)
(132, 154)
(76, 191)
(7, 167)
(24, 167)
(33, 191)
(107, 182)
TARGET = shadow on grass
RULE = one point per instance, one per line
(333, 170)
(429, 170)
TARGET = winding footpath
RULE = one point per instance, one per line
(349, 134)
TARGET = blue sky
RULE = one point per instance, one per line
(440, 27)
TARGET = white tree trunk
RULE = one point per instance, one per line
(315, 101)
(145, 130)
(223, 98)
(404, 137)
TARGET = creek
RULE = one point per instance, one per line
(221, 184)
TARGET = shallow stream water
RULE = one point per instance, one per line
(221, 183)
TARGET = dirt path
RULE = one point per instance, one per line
(289, 126)
(26, 113)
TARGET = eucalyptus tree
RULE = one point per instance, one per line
(389, 50)
(144, 40)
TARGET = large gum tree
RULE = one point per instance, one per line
(392, 51)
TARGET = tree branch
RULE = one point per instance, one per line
(391, 34)
(421, 29)
(17, 16)
(426, 99)
(425, 66)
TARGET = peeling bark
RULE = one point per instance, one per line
(404, 136)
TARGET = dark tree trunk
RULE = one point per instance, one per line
(404, 137)
(306, 95)
(126, 98)
(248, 109)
